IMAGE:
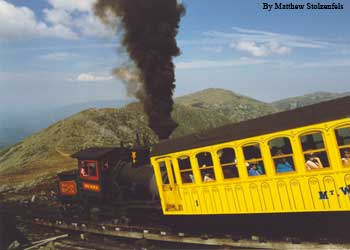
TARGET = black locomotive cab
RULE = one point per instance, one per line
(94, 165)
(100, 170)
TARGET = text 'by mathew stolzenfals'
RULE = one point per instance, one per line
(301, 6)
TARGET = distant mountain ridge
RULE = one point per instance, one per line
(235, 107)
(301, 101)
(17, 125)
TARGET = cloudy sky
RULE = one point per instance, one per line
(56, 52)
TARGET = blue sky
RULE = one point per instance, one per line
(55, 52)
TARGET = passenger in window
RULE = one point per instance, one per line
(187, 178)
(346, 158)
(282, 165)
(208, 177)
(230, 172)
(312, 162)
(254, 169)
(83, 172)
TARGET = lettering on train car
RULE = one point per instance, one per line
(324, 195)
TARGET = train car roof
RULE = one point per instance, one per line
(308, 115)
(96, 153)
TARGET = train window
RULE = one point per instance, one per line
(253, 160)
(206, 166)
(92, 168)
(314, 151)
(163, 172)
(343, 141)
(228, 163)
(282, 154)
(88, 170)
(185, 169)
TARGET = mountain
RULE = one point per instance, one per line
(301, 101)
(235, 107)
(16, 124)
(47, 152)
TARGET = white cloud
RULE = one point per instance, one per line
(90, 25)
(260, 36)
(262, 43)
(58, 56)
(20, 22)
(64, 19)
(58, 16)
(91, 77)
(200, 64)
(78, 15)
(261, 50)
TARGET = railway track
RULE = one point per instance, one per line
(165, 235)
(47, 217)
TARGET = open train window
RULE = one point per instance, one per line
(88, 170)
(253, 160)
(343, 141)
(314, 151)
(206, 166)
(228, 163)
(163, 172)
(185, 169)
(282, 154)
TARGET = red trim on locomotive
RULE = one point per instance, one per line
(91, 187)
(68, 188)
(85, 170)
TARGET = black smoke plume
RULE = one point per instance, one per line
(150, 28)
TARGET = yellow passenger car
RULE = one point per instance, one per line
(290, 162)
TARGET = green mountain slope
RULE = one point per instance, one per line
(235, 107)
(301, 101)
(48, 152)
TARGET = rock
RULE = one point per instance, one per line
(14, 245)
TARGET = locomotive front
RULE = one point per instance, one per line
(116, 174)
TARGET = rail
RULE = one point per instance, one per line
(159, 234)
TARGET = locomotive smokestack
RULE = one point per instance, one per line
(150, 28)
